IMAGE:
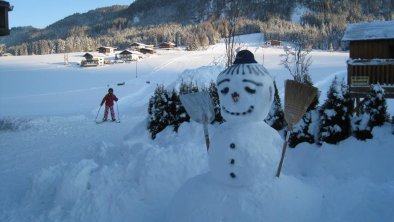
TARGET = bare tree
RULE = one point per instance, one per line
(297, 61)
(233, 9)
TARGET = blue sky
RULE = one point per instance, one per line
(41, 13)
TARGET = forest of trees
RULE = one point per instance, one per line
(196, 25)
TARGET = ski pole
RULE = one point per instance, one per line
(117, 108)
(97, 114)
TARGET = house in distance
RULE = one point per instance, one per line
(106, 50)
(371, 52)
(91, 60)
(167, 45)
(128, 55)
(272, 43)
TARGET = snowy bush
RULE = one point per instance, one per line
(372, 112)
(13, 124)
(360, 126)
(375, 105)
(276, 117)
(159, 117)
(335, 114)
(166, 109)
(305, 130)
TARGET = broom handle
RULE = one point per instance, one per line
(283, 152)
(206, 134)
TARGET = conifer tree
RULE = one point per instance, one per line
(275, 117)
(376, 106)
(177, 111)
(186, 88)
(158, 111)
(335, 114)
(373, 112)
(213, 92)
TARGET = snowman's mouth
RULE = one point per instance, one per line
(251, 108)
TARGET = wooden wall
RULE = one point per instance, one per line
(4, 8)
(372, 49)
(383, 74)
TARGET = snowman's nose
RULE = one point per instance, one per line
(235, 96)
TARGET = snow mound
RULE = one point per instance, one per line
(284, 199)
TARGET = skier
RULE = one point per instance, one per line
(109, 104)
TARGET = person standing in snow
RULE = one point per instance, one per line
(109, 104)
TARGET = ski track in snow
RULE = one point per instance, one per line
(154, 71)
(55, 93)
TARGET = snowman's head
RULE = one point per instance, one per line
(246, 90)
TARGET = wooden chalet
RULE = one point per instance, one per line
(371, 52)
(106, 50)
(128, 55)
(167, 45)
(272, 43)
(137, 45)
(91, 60)
(141, 47)
(147, 50)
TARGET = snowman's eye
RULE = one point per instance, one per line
(250, 90)
(224, 90)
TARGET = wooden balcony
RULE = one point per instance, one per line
(362, 73)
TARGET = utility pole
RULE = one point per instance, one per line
(136, 73)
(65, 58)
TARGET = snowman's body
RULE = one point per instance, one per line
(238, 156)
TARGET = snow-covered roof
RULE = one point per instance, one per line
(130, 52)
(361, 62)
(369, 30)
(137, 44)
(106, 47)
(93, 54)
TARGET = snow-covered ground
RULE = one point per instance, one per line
(57, 164)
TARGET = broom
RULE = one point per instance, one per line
(298, 97)
(199, 106)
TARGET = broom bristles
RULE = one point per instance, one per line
(298, 97)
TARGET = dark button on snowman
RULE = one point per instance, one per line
(244, 149)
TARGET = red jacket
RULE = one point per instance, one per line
(109, 99)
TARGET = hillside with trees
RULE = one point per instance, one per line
(196, 24)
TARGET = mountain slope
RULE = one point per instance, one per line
(144, 19)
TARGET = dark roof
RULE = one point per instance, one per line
(88, 55)
(125, 52)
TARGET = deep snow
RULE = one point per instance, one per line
(56, 164)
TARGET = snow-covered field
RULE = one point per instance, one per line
(57, 164)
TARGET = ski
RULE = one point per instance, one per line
(99, 122)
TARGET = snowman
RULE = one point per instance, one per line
(243, 157)
(244, 149)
